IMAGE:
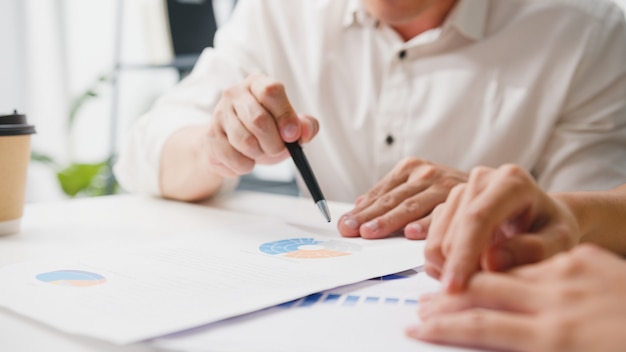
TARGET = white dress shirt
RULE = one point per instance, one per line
(537, 83)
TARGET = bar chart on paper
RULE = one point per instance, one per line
(347, 317)
(366, 293)
(347, 300)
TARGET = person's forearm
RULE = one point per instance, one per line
(601, 216)
(184, 172)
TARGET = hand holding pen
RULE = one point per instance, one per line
(252, 123)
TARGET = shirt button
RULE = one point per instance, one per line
(402, 54)
(389, 140)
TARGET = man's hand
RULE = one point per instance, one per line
(498, 220)
(402, 200)
(571, 302)
(251, 123)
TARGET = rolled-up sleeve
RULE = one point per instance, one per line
(192, 101)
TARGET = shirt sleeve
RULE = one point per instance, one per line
(587, 149)
(192, 101)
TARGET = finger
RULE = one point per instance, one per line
(397, 217)
(239, 136)
(566, 265)
(487, 290)
(258, 123)
(480, 329)
(442, 216)
(432, 270)
(391, 212)
(223, 156)
(222, 170)
(272, 96)
(310, 126)
(418, 230)
(348, 226)
(233, 160)
(597, 255)
(476, 224)
(525, 249)
(395, 178)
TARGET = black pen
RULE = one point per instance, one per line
(309, 178)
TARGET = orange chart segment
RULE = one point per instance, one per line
(73, 278)
(309, 248)
(311, 254)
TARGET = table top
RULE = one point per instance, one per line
(52, 229)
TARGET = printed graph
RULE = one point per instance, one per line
(74, 278)
(399, 289)
(347, 300)
(309, 248)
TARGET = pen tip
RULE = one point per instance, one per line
(323, 207)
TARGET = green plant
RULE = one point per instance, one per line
(81, 179)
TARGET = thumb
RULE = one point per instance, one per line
(309, 126)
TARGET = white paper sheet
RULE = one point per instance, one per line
(132, 294)
(367, 316)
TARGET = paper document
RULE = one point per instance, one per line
(367, 316)
(125, 295)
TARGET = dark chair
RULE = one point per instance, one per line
(192, 28)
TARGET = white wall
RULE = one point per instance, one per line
(12, 85)
(52, 51)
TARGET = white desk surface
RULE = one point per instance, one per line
(54, 228)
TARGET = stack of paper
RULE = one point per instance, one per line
(367, 316)
(125, 295)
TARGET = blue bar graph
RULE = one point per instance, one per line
(310, 300)
(346, 300)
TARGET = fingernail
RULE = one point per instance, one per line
(372, 225)
(351, 222)
(425, 310)
(413, 331)
(423, 306)
(426, 297)
(502, 259)
(290, 131)
(312, 127)
(416, 228)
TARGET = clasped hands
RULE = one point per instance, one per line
(498, 221)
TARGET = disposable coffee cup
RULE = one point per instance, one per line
(14, 157)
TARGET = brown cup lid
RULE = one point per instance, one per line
(14, 125)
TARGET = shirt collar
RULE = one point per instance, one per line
(356, 14)
(468, 16)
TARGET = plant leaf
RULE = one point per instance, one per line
(77, 104)
(77, 178)
(43, 158)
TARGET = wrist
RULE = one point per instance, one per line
(575, 205)
(185, 171)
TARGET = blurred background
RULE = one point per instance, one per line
(84, 70)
